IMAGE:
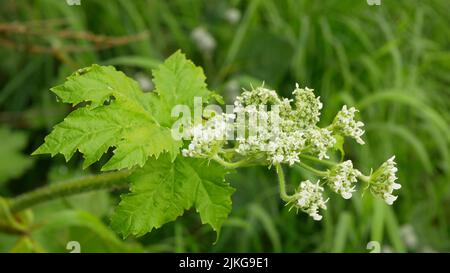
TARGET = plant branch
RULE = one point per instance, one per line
(364, 178)
(229, 165)
(71, 187)
(311, 169)
(283, 195)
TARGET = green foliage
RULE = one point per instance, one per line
(86, 227)
(12, 162)
(348, 51)
(118, 114)
(162, 190)
(177, 81)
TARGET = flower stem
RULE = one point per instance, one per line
(364, 178)
(229, 165)
(311, 169)
(71, 187)
(283, 195)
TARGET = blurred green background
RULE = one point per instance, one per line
(391, 61)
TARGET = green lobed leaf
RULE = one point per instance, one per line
(97, 84)
(177, 81)
(162, 190)
(92, 131)
(118, 114)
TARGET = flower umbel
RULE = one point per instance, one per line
(284, 131)
(342, 178)
(263, 129)
(270, 130)
(309, 199)
(382, 181)
(345, 124)
(319, 141)
(307, 105)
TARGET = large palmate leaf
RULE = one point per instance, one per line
(114, 112)
(162, 190)
(118, 114)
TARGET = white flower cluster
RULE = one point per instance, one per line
(283, 132)
(382, 181)
(342, 178)
(258, 96)
(309, 199)
(319, 141)
(208, 137)
(307, 105)
(345, 123)
(275, 130)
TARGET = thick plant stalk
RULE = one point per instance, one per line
(311, 169)
(71, 187)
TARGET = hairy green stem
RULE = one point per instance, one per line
(71, 187)
(311, 169)
(283, 195)
(365, 179)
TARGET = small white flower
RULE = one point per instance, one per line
(347, 195)
(342, 178)
(277, 159)
(293, 158)
(382, 181)
(309, 199)
(389, 198)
